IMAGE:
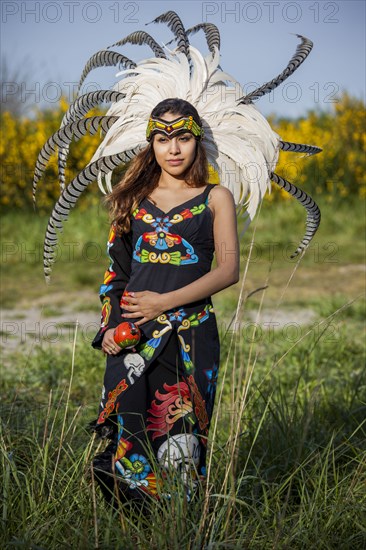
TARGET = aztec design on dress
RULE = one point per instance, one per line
(106, 311)
(147, 349)
(135, 470)
(168, 407)
(109, 275)
(121, 387)
(135, 365)
(180, 451)
(161, 239)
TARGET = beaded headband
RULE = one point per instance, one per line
(186, 123)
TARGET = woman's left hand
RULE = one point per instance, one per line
(145, 304)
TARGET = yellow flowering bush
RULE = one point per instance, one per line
(21, 141)
(338, 171)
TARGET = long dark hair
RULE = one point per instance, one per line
(143, 173)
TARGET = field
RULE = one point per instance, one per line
(287, 443)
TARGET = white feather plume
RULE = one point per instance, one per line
(240, 144)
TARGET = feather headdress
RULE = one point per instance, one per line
(240, 144)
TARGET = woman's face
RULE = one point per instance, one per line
(176, 154)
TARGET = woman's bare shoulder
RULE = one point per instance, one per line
(220, 191)
(219, 196)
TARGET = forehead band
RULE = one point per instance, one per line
(169, 129)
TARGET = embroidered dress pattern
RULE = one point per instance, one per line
(162, 239)
(174, 368)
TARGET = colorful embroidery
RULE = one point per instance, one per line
(147, 349)
(137, 465)
(112, 396)
(123, 447)
(176, 315)
(109, 275)
(123, 444)
(193, 320)
(162, 239)
(174, 404)
(106, 311)
(199, 405)
(135, 469)
(212, 375)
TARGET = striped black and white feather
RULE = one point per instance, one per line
(239, 141)
(76, 111)
(299, 148)
(312, 209)
(140, 38)
(104, 58)
(302, 51)
(67, 201)
(212, 35)
(62, 138)
(175, 24)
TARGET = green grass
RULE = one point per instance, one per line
(81, 257)
(287, 453)
(287, 472)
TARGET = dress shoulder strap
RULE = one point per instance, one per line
(207, 191)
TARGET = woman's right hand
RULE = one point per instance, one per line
(109, 346)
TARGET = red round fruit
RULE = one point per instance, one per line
(127, 335)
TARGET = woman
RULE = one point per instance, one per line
(167, 224)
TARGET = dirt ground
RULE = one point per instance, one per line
(51, 320)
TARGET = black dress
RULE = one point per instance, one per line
(160, 398)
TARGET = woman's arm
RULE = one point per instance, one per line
(119, 250)
(147, 305)
(226, 250)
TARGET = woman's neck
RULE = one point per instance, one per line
(168, 181)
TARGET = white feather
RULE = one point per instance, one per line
(239, 141)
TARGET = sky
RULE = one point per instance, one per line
(47, 43)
